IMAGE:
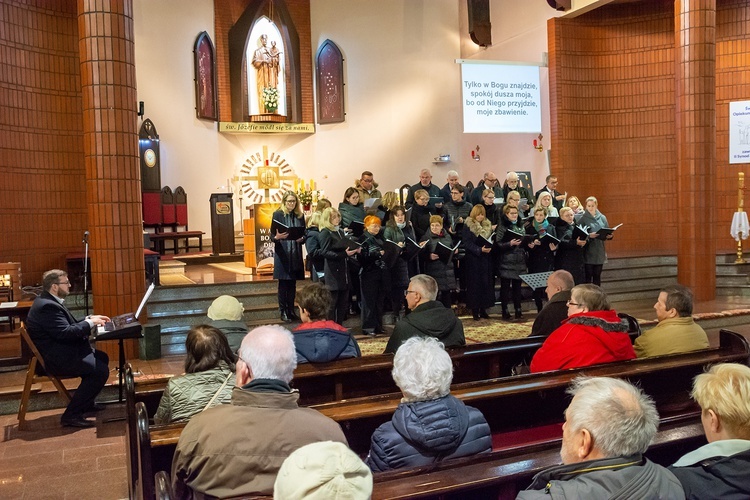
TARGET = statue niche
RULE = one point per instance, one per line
(264, 64)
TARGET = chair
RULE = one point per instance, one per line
(152, 209)
(36, 373)
(180, 205)
(131, 422)
(168, 214)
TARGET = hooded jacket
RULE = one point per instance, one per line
(619, 478)
(426, 432)
(324, 341)
(585, 339)
(716, 470)
(431, 319)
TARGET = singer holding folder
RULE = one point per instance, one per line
(287, 257)
(63, 342)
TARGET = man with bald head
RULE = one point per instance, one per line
(489, 181)
(425, 182)
(237, 449)
(555, 310)
(608, 426)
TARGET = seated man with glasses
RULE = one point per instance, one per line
(428, 317)
(592, 334)
(63, 342)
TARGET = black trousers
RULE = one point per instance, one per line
(506, 284)
(375, 285)
(287, 294)
(94, 372)
(339, 306)
(593, 273)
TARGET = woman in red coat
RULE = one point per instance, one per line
(592, 334)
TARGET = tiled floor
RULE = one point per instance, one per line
(48, 461)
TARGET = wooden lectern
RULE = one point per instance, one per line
(222, 223)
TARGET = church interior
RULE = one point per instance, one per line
(108, 107)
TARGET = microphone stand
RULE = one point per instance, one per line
(86, 272)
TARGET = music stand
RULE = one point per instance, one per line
(536, 280)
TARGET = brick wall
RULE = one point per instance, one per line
(226, 13)
(43, 200)
(612, 107)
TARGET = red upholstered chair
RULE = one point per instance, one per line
(151, 209)
(168, 215)
(180, 204)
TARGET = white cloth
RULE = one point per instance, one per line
(739, 225)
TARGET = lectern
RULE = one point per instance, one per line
(222, 223)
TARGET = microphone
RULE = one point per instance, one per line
(86, 237)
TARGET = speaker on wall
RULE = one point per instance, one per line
(480, 29)
(559, 4)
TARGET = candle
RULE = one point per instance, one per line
(312, 185)
(295, 184)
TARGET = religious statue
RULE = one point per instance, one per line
(266, 63)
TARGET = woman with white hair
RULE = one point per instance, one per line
(429, 425)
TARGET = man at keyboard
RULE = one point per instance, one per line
(64, 345)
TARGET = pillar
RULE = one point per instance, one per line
(113, 194)
(695, 127)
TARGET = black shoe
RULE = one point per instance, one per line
(475, 316)
(519, 315)
(77, 422)
(506, 314)
(285, 318)
(97, 407)
(483, 314)
(293, 316)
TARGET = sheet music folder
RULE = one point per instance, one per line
(125, 325)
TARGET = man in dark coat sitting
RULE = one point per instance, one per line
(556, 309)
(64, 345)
(428, 317)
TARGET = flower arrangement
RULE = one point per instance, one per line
(271, 99)
(305, 196)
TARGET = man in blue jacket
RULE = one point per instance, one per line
(63, 342)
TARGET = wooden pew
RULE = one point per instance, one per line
(517, 407)
(503, 473)
(370, 375)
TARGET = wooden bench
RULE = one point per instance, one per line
(360, 377)
(158, 239)
(503, 473)
(538, 399)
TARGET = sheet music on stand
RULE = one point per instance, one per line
(536, 280)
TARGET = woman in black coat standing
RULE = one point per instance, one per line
(336, 262)
(511, 261)
(541, 256)
(397, 230)
(492, 214)
(569, 254)
(433, 266)
(374, 277)
(287, 258)
(480, 280)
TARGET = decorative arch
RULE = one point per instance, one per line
(240, 43)
(206, 105)
(330, 83)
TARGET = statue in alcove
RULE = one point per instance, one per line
(266, 61)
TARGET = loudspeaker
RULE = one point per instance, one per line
(480, 29)
(559, 4)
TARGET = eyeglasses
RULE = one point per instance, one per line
(63, 282)
(407, 292)
(571, 303)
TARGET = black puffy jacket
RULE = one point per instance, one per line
(426, 432)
